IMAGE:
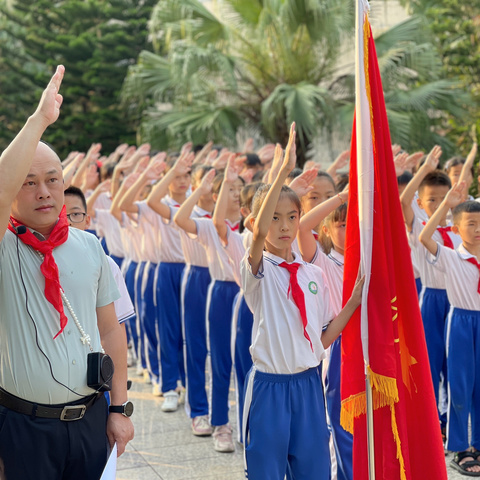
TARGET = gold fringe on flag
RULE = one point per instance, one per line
(384, 393)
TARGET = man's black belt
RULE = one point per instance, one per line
(66, 413)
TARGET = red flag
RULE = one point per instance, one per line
(392, 349)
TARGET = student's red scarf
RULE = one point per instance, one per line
(49, 267)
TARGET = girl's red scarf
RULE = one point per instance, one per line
(49, 268)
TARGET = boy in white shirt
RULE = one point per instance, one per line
(461, 269)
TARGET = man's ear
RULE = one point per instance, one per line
(455, 229)
(88, 222)
(215, 197)
(419, 202)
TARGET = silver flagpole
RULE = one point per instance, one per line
(365, 212)
(370, 434)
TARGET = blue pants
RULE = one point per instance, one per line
(219, 310)
(169, 282)
(434, 307)
(241, 339)
(131, 323)
(149, 322)
(463, 361)
(286, 427)
(418, 284)
(194, 302)
(342, 440)
(139, 310)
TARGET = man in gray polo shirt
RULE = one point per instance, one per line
(52, 425)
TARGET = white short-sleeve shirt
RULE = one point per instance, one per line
(218, 262)
(461, 277)
(235, 248)
(131, 235)
(429, 275)
(151, 242)
(332, 266)
(123, 306)
(193, 252)
(278, 341)
(107, 226)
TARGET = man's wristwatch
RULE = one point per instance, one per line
(126, 409)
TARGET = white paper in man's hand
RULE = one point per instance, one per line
(110, 470)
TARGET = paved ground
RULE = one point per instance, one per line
(164, 447)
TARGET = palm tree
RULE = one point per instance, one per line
(266, 63)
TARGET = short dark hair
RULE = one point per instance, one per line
(198, 172)
(253, 160)
(404, 178)
(436, 178)
(338, 215)
(321, 173)
(454, 162)
(295, 173)
(76, 192)
(470, 206)
(262, 191)
(218, 181)
(247, 194)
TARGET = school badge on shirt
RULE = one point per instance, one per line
(313, 287)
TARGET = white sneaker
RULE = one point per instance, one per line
(156, 390)
(222, 439)
(170, 404)
(201, 427)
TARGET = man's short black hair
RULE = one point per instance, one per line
(76, 192)
(470, 206)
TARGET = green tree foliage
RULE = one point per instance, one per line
(96, 40)
(455, 26)
(268, 63)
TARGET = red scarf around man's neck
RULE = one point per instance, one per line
(49, 267)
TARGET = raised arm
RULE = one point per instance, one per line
(91, 157)
(182, 217)
(70, 169)
(408, 194)
(467, 167)
(306, 240)
(115, 209)
(151, 173)
(160, 190)
(453, 198)
(341, 161)
(267, 210)
(17, 158)
(220, 212)
(103, 187)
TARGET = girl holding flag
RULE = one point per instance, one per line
(284, 414)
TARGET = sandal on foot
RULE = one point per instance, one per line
(459, 456)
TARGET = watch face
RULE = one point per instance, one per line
(128, 409)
